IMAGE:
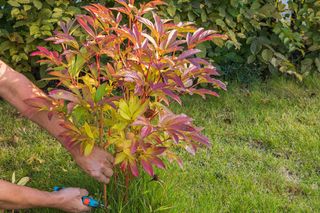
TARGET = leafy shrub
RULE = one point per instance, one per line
(120, 74)
(23, 26)
(264, 32)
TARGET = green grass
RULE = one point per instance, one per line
(265, 155)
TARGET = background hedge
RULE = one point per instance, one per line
(265, 36)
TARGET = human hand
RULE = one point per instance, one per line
(70, 200)
(98, 164)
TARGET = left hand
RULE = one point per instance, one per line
(98, 164)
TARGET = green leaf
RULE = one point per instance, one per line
(267, 55)
(204, 16)
(26, 7)
(306, 65)
(171, 10)
(191, 16)
(37, 4)
(251, 59)
(317, 62)
(255, 47)
(14, 3)
(34, 29)
(203, 47)
(220, 22)
(24, 1)
(80, 113)
(5, 46)
(177, 18)
(100, 92)
(76, 65)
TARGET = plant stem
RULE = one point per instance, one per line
(101, 144)
(105, 200)
(101, 120)
(98, 68)
(127, 186)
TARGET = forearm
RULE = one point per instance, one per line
(15, 88)
(19, 197)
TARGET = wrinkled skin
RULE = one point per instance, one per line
(70, 200)
(98, 164)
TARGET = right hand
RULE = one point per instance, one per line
(70, 200)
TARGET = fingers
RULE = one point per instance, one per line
(103, 179)
(83, 192)
(110, 158)
(84, 208)
(108, 172)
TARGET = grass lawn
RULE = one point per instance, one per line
(265, 156)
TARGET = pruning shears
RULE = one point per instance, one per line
(86, 200)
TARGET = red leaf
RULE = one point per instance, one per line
(147, 167)
(145, 131)
(178, 81)
(134, 168)
(197, 34)
(188, 53)
(159, 150)
(171, 37)
(84, 25)
(198, 61)
(151, 39)
(191, 150)
(134, 147)
(204, 92)
(172, 95)
(63, 94)
(158, 162)
(147, 22)
(158, 24)
(70, 107)
(201, 139)
(119, 17)
(158, 86)
(124, 166)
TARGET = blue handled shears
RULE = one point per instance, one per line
(86, 200)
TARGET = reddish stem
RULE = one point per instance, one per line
(105, 200)
(98, 68)
(127, 186)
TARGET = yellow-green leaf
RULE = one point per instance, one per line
(14, 3)
(88, 148)
(88, 130)
(142, 108)
(37, 4)
(124, 110)
(23, 181)
(13, 178)
(267, 54)
(119, 158)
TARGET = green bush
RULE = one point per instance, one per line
(266, 33)
(24, 24)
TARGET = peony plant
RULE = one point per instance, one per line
(117, 73)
